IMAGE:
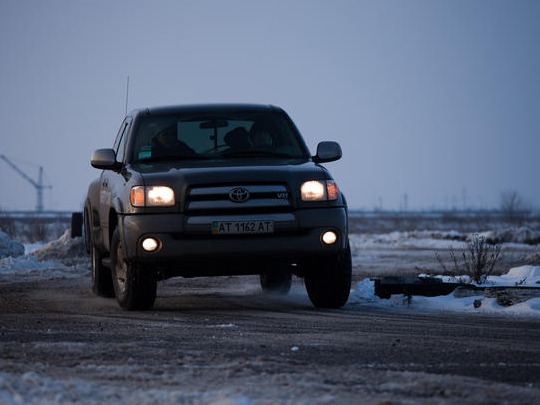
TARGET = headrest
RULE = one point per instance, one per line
(237, 138)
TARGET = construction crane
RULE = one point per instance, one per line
(38, 185)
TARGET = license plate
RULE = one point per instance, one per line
(242, 227)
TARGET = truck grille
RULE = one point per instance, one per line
(251, 197)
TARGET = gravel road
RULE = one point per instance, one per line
(221, 340)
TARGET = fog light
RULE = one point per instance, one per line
(150, 244)
(329, 237)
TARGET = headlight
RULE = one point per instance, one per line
(313, 191)
(152, 196)
(319, 190)
(159, 195)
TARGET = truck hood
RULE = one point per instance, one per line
(199, 174)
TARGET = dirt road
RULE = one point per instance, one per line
(222, 341)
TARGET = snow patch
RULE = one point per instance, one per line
(66, 250)
(64, 257)
(9, 247)
(524, 276)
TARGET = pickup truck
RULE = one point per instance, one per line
(215, 190)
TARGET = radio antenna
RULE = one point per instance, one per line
(127, 94)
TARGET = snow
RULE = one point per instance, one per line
(364, 295)
(66, 257)
(9, 247)
(53, 391)
(408, 240)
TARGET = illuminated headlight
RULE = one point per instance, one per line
(152, 196)
(319, 190)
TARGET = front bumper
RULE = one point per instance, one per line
(187, 239)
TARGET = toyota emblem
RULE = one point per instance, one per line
(239, 195)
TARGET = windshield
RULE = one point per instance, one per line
(223, 136)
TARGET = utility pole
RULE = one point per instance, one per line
(38, 185)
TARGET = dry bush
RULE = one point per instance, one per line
(477, 260)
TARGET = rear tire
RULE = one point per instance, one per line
(101, 276)
(329, 284)
(135, 286)
(276, 283)
(87, 228)
(76, 224)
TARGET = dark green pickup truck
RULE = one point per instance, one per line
(215, 190)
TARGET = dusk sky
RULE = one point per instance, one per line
(436, 104)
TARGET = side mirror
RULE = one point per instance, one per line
(104, 159)
(327, 151)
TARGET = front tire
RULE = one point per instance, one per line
(329, 283)
(135, 287)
